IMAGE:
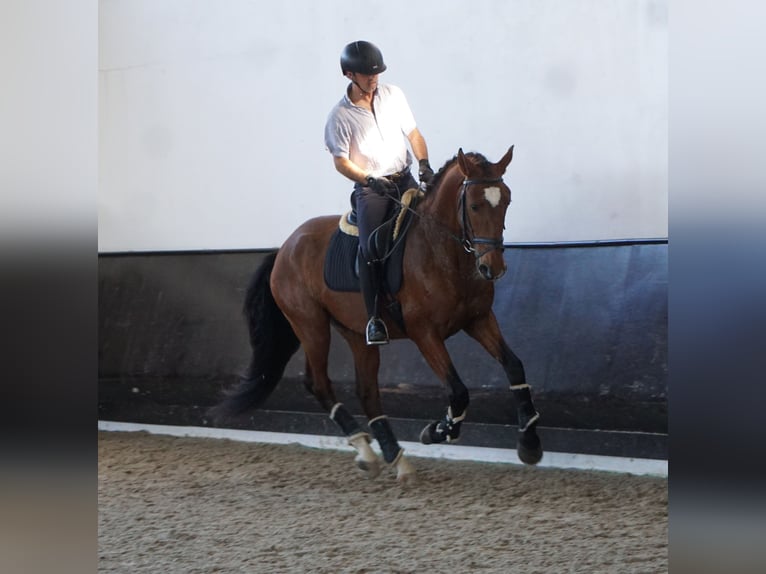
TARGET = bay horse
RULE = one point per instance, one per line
(453, 256)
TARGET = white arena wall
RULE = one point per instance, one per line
(211, 113)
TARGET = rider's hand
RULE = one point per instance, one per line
(380, 185)
(425, 173)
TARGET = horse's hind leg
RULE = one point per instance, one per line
(314, 334)
(366, 365)
(487, 332)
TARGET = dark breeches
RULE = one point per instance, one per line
(372, 209)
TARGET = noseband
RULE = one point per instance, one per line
(469, 240)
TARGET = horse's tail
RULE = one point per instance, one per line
(273, 342)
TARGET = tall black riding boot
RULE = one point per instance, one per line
(370, 280)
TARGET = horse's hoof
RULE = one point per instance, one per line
(529, 456)
(529, 449)
(405, 472)
(445, 430)
(371, 468)
(407, 479)
(426, 435)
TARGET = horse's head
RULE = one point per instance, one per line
(484, 199)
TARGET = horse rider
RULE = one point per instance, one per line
(367, 134)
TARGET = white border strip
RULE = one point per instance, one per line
(637, 466)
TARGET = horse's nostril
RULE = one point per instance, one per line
(485, 271)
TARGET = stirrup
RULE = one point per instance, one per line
(376, 332)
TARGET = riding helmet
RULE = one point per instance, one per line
(362, 58)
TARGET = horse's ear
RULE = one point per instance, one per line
(503, 163)
(463, 163)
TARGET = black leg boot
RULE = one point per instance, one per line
(370, 280)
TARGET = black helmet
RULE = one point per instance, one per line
(362, 58)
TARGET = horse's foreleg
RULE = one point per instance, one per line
(487, 333)
(529, 448)
(448, 428)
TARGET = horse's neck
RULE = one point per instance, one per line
(443, 204)
(441, 224)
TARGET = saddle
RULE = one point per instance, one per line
(342, 260)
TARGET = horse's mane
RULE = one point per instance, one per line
(476, 158)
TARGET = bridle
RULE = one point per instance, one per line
(469, 240)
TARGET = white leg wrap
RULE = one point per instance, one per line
(533, 419)
(335, 408)
(456, 419)
(519, 387)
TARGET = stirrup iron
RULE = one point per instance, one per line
(377, 328)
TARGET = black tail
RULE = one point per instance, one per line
(273, 342)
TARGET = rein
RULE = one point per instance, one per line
(466, 241)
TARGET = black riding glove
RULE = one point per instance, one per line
(380, 185)
(425, 173)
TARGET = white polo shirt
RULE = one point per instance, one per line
(377, 142)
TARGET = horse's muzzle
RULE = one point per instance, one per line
(488, 272)
(489, 257)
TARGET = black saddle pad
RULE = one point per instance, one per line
(341, 269)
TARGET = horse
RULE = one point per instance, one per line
(453, 256)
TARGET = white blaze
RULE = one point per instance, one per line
(493, 195)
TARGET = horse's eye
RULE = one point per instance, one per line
(474, 207)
